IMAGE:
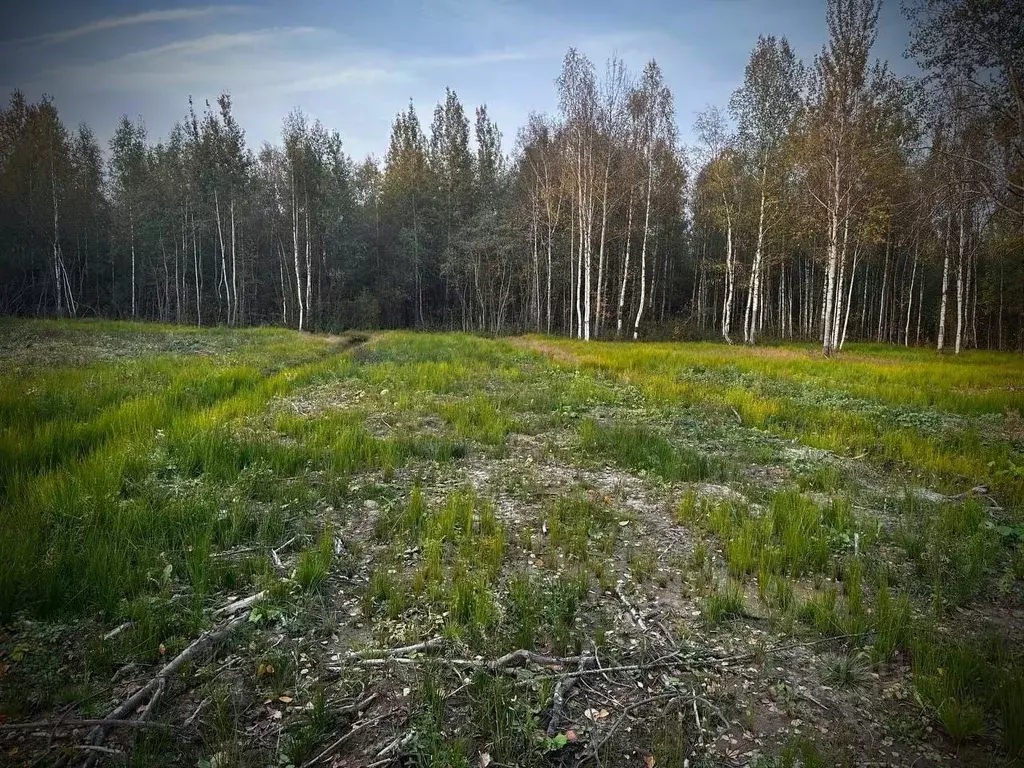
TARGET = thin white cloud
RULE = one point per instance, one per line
(115, 22)
(179, 61)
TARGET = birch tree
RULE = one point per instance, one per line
(764, 108)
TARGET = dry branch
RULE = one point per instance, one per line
(56, 725)
(562, 692)
(361, 725)
(632, 610)
(238, 605)
(154, 688)
(117, 631)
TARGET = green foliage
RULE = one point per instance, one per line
(315, 564)
(965, 685)
(723, 604)
(794, 537)
(578, 522)
(641, 449)
(853, 671)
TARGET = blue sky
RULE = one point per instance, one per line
(353, 65)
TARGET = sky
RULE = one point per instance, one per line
(355, 64)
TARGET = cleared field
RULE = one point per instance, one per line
(705, 553)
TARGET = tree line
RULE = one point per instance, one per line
(828, 200)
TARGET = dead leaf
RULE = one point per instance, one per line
(485, 759)
(570, 735)
(162, 649)
(649, 761)
(285, 699)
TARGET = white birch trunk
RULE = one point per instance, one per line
(945, 283)
(625, 267)
(643, 248)
(960, 288)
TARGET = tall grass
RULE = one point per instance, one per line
(905, 407)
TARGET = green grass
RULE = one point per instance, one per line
(909, 407)
(146, 473)
(724, 603)
(642, 449)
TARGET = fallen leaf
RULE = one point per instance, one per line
(485, 759)
(285, 699)
(570, 735)
(649, 761)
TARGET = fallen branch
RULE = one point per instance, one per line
(239, 605)
(54, 725)
(632, 610)
(529, 657)
(433, 644)
(361, 725)
(149, 691)
(117, 631)
(561, 695)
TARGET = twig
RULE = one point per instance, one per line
(238, 605)
(117, 631)
(393, 748)
(615, 726)
(233, 552)
(362, 725)
(358, 706)
(277, 561)
(812, 700)
(276, 556)
(102, 750)
(700, 728)
(202, 705)
(39, 725)
(154, 699)
(632, 611)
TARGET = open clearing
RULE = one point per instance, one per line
(707, 555)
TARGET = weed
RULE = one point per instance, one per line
(315, 564)
(892, 624)
(844, 672)
(723, 604)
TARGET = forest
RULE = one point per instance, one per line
(827, 200)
